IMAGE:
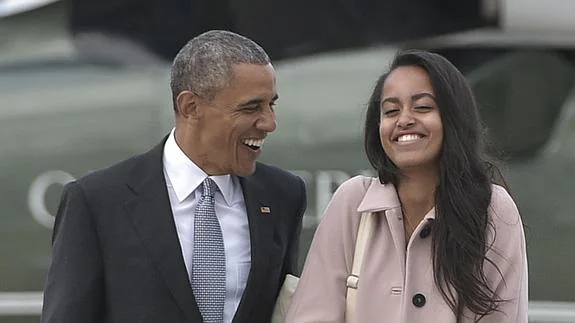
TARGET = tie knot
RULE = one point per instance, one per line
(209, 187)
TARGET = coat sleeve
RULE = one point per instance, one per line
(320, 295)
(73, 291)
(508, 251)
(291, 262)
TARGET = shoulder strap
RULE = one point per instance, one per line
(366, 227)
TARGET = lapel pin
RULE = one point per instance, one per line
(265, 209)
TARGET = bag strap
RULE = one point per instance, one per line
(366, 228)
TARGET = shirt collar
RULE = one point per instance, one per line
(185, 176)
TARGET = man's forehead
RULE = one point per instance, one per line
(253, 77)
(247, 69)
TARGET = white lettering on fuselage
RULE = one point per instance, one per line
(37, 195)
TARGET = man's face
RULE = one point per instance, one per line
(231, 127)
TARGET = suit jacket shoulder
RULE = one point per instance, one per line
(281, 182)
(118, 174)
(108, 188)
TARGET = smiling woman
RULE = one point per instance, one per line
(438, 246)
(411, 131)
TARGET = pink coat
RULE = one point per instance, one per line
(395, 278)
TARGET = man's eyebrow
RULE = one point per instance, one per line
(257, 101)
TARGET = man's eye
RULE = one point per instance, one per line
(251, 109)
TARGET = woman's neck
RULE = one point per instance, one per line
(416, 192)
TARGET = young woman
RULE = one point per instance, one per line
(448, 244)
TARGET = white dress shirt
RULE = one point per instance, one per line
(183, 177)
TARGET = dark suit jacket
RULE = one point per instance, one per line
(117, 257)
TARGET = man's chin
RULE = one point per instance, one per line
(246, 170)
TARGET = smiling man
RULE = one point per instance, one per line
(194, 230)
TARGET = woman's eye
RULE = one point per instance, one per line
(390, 112)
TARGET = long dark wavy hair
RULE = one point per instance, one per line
(463, 195)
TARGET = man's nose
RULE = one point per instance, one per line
(267, 122)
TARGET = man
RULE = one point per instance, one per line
(194, 230)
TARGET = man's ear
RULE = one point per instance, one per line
(188, 105)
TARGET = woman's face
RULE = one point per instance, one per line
(410, 128)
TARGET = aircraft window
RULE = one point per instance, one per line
(520, 94)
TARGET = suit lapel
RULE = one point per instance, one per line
(262, 225)
(152, 217)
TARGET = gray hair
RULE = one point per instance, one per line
(204, 64)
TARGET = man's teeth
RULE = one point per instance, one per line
(254, 142)
(409, 137)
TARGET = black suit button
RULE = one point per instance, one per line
(418, 300)
(425, 232)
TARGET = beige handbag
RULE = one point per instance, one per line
(284, 299)
(366, 227)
